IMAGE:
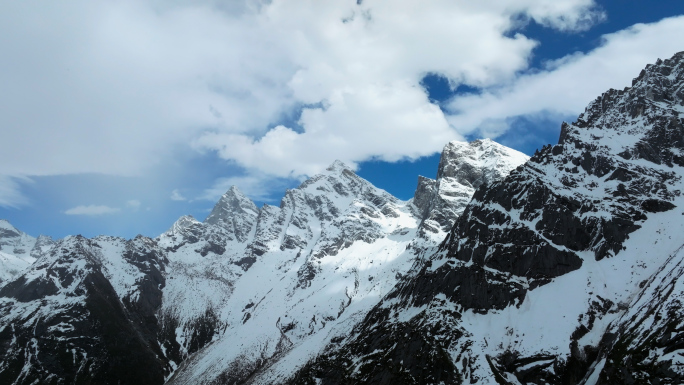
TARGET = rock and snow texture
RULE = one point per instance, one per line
(565, 271)
(317, 264)
(247, 294)
(85, 313)
(463, 168)
(559, 274)
(18, 251)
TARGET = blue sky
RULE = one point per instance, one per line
(119, 117)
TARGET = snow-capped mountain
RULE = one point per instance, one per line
(18, 251)
(318, 263)
(247, 292)
(564, 269)
(565, 272)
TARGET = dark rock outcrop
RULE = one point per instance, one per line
(74, 327)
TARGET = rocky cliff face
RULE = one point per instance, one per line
(463, 168)
(234, 212)
(85, 313)
(539, 264)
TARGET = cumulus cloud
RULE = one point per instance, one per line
(388, 123)
(113, 86)
(91, 210)
(361, 66)
(569, 84)
(116, 86)
(110, 87)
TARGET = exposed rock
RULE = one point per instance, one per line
(75, 326)
(463, 168)
(234, 212)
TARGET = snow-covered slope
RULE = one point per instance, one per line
(645, 343)
(18, 251)
(545, 276)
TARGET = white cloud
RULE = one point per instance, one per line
(91, 210)
(569, 84)
(115, 86)
(10, 191)
(364, 74)
(177, 196)
(110, 87)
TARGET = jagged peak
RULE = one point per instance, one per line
(185, 221)
(659, 82)
(234, 193)
(7, 230)
(233, 202)
(337, 172)
(5, 224)
(338, 166)
(181, 224)
(477, 154)
(642, 121)
(482, 143)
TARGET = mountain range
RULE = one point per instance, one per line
(562, 268)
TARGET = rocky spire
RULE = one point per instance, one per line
(235, 212)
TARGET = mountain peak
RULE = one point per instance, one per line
(338, 166)
(184, 222)
(5, 224)
(483, 142)
(638, 122)
(478, 162)
(463, 167)
(232, 203)
(7, 230)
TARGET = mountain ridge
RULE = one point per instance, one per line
(323, 257)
